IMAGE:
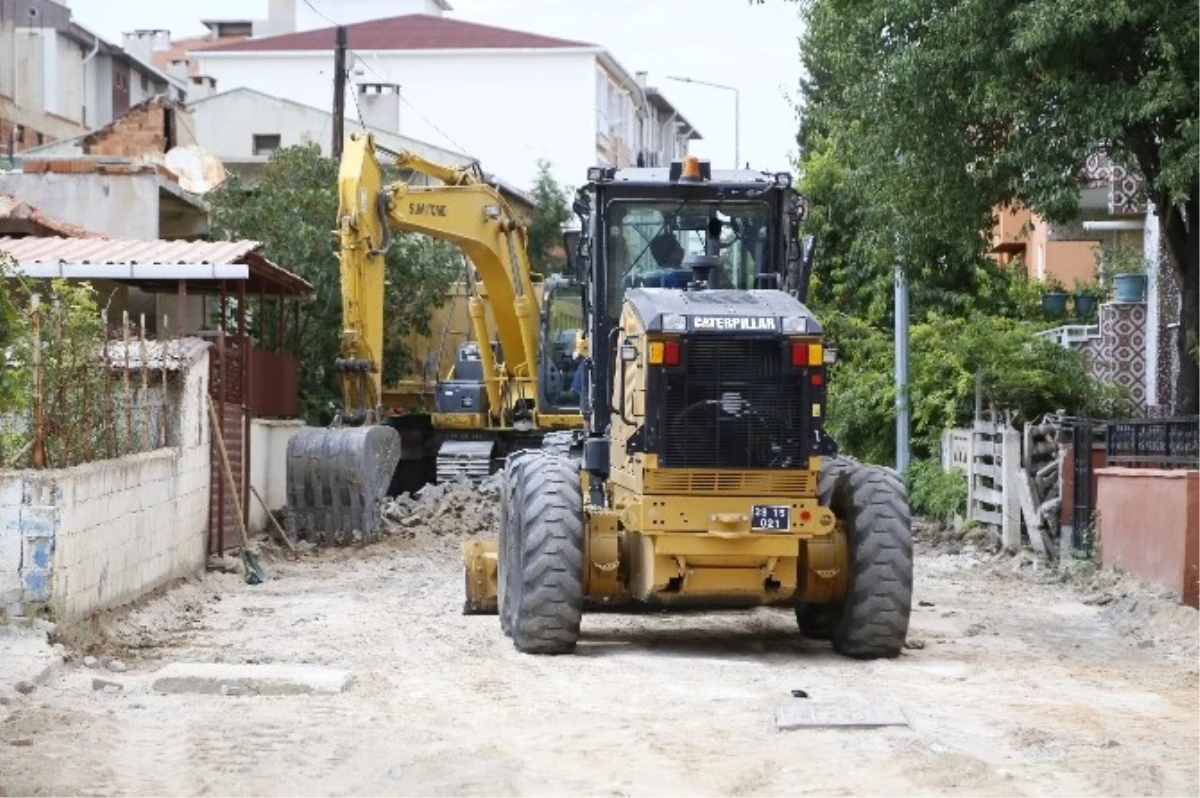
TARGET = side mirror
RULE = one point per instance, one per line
(571, 245)
(807, 250)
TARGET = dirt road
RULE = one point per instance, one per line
(1020, 688)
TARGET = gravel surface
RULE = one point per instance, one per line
(1018, 680)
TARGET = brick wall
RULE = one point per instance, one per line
(1149, 526)
(79, 540)
(27, 139)
(142, 130)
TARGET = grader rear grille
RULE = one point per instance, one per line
(700, 483)
(735, 405)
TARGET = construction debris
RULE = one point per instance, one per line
(450, 509)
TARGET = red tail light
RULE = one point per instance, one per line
(799, 354)
(818, 378)
(671, 353)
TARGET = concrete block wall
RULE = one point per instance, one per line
(78, 540)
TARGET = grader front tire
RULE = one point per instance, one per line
(547, 605)
(871, 621)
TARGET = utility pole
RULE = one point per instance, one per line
(902, 408)
(339, 93)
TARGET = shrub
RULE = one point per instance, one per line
(935, 493)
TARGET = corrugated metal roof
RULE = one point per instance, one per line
(92, 250)
(172, 355)
(128, 252)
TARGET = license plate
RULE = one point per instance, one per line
(770, 518)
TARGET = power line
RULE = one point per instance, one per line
(403, 99)
(415, 110)
(319, 13)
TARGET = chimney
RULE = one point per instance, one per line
(641, 78)
(141, 44)
(201, 86)
(281, 19)
(178, 68)
(380, 105)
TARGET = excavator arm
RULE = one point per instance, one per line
(465, 211)
(338, 477)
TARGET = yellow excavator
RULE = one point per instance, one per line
(509, 384)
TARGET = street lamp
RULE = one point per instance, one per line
(737, 114)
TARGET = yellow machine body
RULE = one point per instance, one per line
(683, 536)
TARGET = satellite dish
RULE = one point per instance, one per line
(198, 170)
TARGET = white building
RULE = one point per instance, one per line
(245, 124)
(59, 80)
(508, 97)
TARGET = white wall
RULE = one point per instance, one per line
(83, 539)
(268, 465)
(226, 123)
(123, 206)
(506, 108)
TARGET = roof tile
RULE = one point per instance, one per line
(408, 32)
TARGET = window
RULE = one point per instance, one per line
(559, 377)
(265, 143)
(647, 242)
(601, 108)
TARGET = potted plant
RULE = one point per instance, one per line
(1086, 296)
(1054, 297)
(1125, 268)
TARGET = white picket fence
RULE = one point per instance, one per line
(1001, 491)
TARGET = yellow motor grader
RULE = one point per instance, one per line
(704, 476)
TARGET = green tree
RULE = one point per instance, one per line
(545, 227)
(1021, 373)
(292, 211)
(921, 117)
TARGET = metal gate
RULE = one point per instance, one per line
(228, 375)
(1084, 503)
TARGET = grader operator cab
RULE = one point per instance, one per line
(703, 475)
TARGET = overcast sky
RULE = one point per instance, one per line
(751, 47)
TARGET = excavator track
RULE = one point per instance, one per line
(464, 459)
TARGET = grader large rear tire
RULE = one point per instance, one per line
(547, 602)
(871, 621)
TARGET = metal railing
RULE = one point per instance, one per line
(1069, 334)
(1155, 443)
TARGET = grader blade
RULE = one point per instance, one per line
(479, 561)
(336, 482)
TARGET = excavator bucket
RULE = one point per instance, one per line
(336, 482)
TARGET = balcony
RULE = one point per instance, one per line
(1011, 232)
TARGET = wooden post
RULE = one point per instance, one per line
(165, 342)
(1010, 464)
(110, 419)
(145, 382)
(125, 378)
(39, 443)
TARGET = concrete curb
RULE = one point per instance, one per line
(206, 678)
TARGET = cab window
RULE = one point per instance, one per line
(647, 242)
